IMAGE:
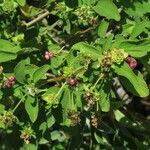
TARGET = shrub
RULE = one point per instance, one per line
(69, 70)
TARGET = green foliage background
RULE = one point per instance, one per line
(89, 40)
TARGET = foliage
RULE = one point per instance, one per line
(58, 62)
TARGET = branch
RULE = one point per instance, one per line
(85, 31)
(37, 19)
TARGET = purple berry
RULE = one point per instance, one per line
(132, 62)
(133, 65)
(128, 59)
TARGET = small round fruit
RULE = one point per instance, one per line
(8, 84)
(72, 82)
(133, 65)
(48, 55)
(11, 78)
(132, 62)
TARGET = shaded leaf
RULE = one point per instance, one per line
(32, 108)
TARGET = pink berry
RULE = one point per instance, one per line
(13, 82)
(133, 65)
(8, 84)
(72, 82)
(48, 55)
(128, 59)
(11, 78)
(51, 54)
(132, 62)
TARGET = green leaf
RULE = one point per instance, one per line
(102, 140)
(136, 48)
(108, 43)
(78, 99)
(104, 102)
(43, 127)
(87, 49)
(5, 56)
(32, 108)
(67, 105)
(20, 71)
(29, 147)
(128, 27)
(107, 9)
(66, 100)
(40, 73)
(56, 135)
(21, 2)
(2, 108)
(104, 99)
(6, 46)
(8, 51)
(102, 29)
(49, 95)
(137, 8)
(50, 121)
(137, 81)
(139, 28)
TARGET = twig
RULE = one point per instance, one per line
(85, 31)
(37, 19)
(60, 78)
(19, 102)
(122, 94)
(145, 103)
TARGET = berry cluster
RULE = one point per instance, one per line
(25, 137)
(10, 82)
(118, 55)
(132, 62)
(94, 121)
(113, 56)
(48, 55)
(26, 134)
(106, 61)
(89, 98)
(7, 119)
(74, 117)
(85, 15)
